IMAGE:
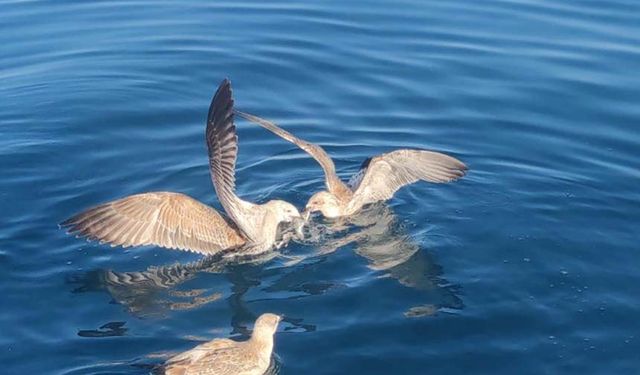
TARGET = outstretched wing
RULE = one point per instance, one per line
(170, 220)
(385, 174)
(222, 144)
(333, 182)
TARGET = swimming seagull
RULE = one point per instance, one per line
(228, 357)
(379, 176)
(177, 221)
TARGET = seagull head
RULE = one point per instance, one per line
(324, 202)
(266, 325)
(285, 211)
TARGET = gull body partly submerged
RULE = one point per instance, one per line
(228, 357)
(378, 179)
(177, 221)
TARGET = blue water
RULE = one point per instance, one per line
(528, 265)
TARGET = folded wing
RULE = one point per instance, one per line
(221, 356)
(170, 220)
(385, 174)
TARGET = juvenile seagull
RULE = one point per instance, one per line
(378, 179)
(228, 357)
(177, 221)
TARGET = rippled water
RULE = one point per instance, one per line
(527, 265)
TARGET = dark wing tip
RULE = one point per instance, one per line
(75, 226)
(220, 117)
(460, 167)
(66, 223)
(71, 224)
(453, 169)
(222, 141)
(365, 163)
(463, 169)
(436, 167)
(221, 99)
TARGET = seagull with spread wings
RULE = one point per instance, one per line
(177, 221)
(378, 179)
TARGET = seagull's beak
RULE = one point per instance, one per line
(306, 214)
(297, 224)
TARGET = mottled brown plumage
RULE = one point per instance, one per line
(228, 357)
(170, 220)
(177, 221)
(378, 179)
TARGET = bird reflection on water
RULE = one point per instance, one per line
(153, 292)
(375, 234)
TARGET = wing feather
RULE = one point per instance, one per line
(385, 174)
(332, 181)
(222, 145)
(171, 220)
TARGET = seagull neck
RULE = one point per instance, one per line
(262, 343)
(245, 215)
(270, 225)
(340, 191)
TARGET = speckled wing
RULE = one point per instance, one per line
(218, 357)
(383, 175)
(170, 220)
(222, 142)
(222, 145)
(333, 182)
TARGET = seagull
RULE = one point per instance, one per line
(177, 221)
(228, 357)
(379, 176)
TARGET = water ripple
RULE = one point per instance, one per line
(527, 265)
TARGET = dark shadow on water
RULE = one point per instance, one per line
(110, 329)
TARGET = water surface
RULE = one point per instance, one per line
(528, 265)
